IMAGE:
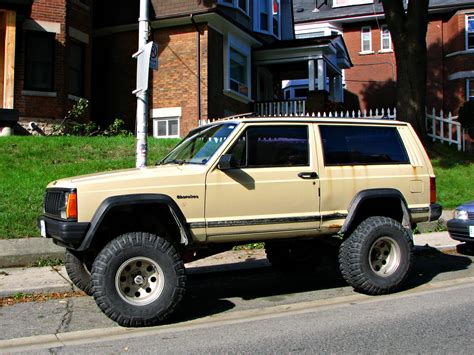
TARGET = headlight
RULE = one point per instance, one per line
(461, 214)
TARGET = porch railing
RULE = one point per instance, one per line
(281, 108)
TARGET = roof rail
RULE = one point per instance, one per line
(240, 115)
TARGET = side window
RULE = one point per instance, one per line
(39, 62)
(362, 145)
(272, 146)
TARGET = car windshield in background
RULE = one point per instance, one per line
(199, 145)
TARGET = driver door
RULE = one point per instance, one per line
(272, 188)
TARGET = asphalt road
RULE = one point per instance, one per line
(263, 311)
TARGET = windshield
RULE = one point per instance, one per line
(199, 145)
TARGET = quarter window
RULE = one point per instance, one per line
(39, 62)
(470, 32)
(362, 145)
(366, 39)
(385, 39)
(272, 146)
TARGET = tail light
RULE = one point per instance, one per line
(432, 190)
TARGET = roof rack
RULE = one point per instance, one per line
(240, 115)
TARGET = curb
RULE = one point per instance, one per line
(26, 251)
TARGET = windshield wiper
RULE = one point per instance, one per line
(174, 161)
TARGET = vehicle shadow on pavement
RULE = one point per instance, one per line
(211, 292)
(430, 262)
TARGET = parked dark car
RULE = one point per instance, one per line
(461, 227)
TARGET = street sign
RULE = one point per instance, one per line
(147, 58)
(154, 56)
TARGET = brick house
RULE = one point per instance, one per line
(216, 58)
(47, 57)
(371, 82)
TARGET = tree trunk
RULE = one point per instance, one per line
(408, 30)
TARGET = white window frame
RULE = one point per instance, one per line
(336, 3)
(469, 83)
(362, 50)
(469, 33)
(382, 49)
(244, 49)
(257, 26)
(166, 115)
(235, 4)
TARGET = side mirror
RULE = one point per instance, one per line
(226, 162)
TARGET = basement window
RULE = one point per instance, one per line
(166, 127)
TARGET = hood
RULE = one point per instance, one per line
(468, 206)
(128, 177)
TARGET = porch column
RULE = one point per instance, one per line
(7, 72)
(311, 75)
(9, 57)
(338, 89)
(322, 75)
(332, 85)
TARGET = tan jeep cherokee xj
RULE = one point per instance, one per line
(291, 182)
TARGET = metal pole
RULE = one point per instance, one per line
(142, 95)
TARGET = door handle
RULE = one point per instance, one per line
(308, 175)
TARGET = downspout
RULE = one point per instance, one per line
(198, 56)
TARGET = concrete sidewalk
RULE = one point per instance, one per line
(45, 280)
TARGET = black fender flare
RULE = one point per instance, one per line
(135, 199)
(368, 194)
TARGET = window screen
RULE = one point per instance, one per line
(272, 146)
(361, 145)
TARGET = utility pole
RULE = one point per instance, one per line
(142, 93)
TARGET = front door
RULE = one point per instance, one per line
(273, 189)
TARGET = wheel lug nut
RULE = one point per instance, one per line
(138, 279)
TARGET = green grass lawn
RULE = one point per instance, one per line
(454, 175)
(28, 164)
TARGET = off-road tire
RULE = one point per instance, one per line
(78, 271)
(376, 258)
(153, 300)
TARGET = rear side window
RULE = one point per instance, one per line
(272, 146)
(362, 145)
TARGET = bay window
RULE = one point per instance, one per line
(267, 15)
(237, 67)
(470, 32)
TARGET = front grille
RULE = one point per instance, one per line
(470, 215)
(54, 202)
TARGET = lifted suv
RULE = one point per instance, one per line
(291, 182)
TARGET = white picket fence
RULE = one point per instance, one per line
(443, 128)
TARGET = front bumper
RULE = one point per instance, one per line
(64, 233)
(459, 229)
